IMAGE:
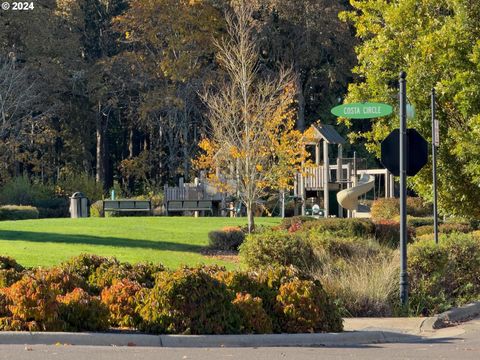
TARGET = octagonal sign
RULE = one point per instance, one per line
(417, 152)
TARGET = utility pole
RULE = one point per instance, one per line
(435, 143)
(403, 191)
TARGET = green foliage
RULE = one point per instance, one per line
(446, 274)
(85, 265)
(82, 312)
(435, 42)
(228, 238)
(21, 191)
(306, 307)
(68, 184)
(96, 209)
(18, 212)
(121, 301)
(277, 248)
(189, 301)
(341, 227)
(254, 319)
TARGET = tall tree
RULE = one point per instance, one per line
(252, 143)
(436, 43)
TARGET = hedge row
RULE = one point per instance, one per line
(18, 212)
(92, 293)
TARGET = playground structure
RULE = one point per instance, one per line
(334, 181)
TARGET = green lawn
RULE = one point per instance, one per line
(172, 241)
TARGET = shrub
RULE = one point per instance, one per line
(332, 248)
(82, 312)
(120, 299)
(306, 307)
(107, 273)
(32, 299)
(385, 209)
(418, 208)
(10, 271)
(4, 311)
(85, 265)
(96, 209)
(449, 228)
(18, 212)
(288, 222)
(263, 284)
(52, 208)
(419, 221)
(389, 209)
(22, 191)
(446, 274)
(228, 238)
(188, 301)
(424, 230)
(277, 248)
(387, 232)
(254, 319)
(341, 227)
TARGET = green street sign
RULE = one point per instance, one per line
(362, 110)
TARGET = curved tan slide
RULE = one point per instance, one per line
(348, 198)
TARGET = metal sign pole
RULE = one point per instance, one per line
(435, 141)
(403, 190)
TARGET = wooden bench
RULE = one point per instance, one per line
(189, 205)
(127, 205)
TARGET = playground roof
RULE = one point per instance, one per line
(327, 133)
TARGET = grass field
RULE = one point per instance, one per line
(172, 241)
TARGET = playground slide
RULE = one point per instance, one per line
(348, 198)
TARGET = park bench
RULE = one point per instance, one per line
(189, 205)
(127, 205)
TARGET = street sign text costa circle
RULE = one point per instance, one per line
(362, 110)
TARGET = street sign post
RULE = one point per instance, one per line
(368, 110)
(435, 143)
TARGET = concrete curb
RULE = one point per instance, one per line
(268, 340)
(451, 317)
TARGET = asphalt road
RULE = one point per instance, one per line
(462, 342)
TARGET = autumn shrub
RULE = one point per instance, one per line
(277, 248)
(254, 319)
(385, 209)
(424, 230)
(188, 301)
(228, 238)
(417, 207)
(387, 232)
(107, 273)
(121, 301)
(306, 307)
(81, 311)
(10, 271)
(33, 299)
(389, 208)
(449, 228)
(289, 221)
(86, 265)
(341, 227)
(18, 212)
(4, 311)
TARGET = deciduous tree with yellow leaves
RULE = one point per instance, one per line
(253, 146)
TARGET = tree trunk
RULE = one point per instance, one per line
(301, 104)
(250, 217)
(100, 175)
